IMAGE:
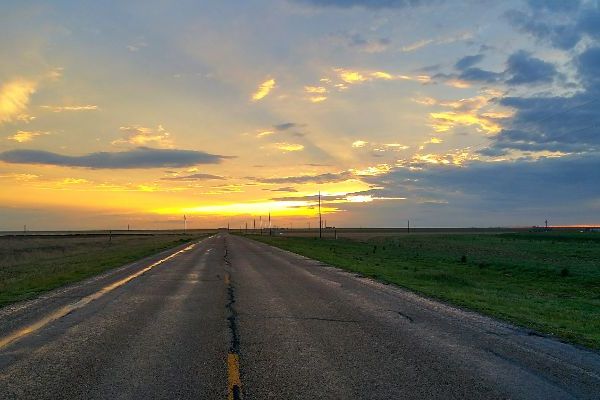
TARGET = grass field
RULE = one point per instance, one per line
(30, 265)
(548, 281)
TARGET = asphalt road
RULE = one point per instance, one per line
(230, 317)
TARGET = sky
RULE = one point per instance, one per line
(448, 113)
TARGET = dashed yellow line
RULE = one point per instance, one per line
(234, 384)
(61, 312)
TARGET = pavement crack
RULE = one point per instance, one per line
(234, 385)
(405, 316)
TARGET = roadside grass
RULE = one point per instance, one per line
(547, 281)
(30, 265)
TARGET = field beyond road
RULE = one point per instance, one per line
(547, 281)
(30, 265)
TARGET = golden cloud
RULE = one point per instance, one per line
(289, 146)
(316, 94)
(264, 133)
(141, 136)
(58, 109)
(359, 143)
(263, 89)
(26, 136)
(352, 77)
(14, 99)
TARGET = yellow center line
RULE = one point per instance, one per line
(234, 385)
(61, 312)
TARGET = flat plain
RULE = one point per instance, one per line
(33, 264)
(546, 281)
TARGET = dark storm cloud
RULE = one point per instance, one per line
(521, 69)
(480, 75)
(567, 124)
(468, 61)
(375, 4)
(141, 157)
(526, 183)
(525, 69)
(566, 24)
(194, 177)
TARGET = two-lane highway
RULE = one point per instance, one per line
(230, 317)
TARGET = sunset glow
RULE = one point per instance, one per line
(136, 114)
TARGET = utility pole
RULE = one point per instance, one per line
(228, 226)
(320, 218)
(184, 223)
(408, 226)
(246, 228)
(254, 226)
(261, 226)
(546, 224)
(270, 230)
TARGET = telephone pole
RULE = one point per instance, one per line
(320, 220)
(270, 230)
(408, 226)
(184, 223)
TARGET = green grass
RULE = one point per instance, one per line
(30, 265)
(549, 282)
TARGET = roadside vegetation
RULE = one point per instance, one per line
(547, 281)
(30, 265)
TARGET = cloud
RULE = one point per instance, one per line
(288, 146)
(300, 179)
(474, 74)
(58, 109)
(26, 136)
(373, 4)
(141, 136)
(194, 177)
(521, 69)
(287, 189)
(264, 133)
(474, 111)
(286, 126)
(263, 89)
(554, 5)
(437, 41)
(563, 24)
(556, 123)
(468, 61)
(523, 181)
(588, 66)
(354, 77)
(359, 143)
(526, 69)
(14, 99)
(141, 157)
(372, 46)
(316, 94)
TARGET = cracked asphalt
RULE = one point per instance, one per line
(233, 318)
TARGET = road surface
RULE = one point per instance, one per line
(232, 318)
